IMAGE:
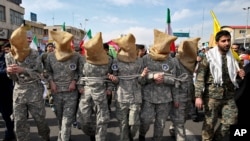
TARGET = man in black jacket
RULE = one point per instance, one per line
(242, 98)
(6, 94)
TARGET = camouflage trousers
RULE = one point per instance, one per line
(65, 106)
(128, 116)
(215, 109)
(178, 117)
(93, 117)
(157, 112)
(37, 110)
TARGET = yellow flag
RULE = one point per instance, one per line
(216, 24)
(235, 55)
(216, 28)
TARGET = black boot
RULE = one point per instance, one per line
(142, 138)
(130, 137)
(92, 138)
(9, 136)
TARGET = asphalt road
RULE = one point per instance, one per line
(193, 130)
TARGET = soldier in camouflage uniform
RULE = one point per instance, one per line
(159, 90)
(215, 88)
(24, 69)
(128, 95)
(186, 58)
(64, 67)
(93, 113)
(48, 99)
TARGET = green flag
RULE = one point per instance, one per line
(63, 27)
(89, 34)
(34, 43)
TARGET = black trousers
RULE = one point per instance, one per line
(6, 108)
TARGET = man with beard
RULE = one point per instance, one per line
(215, 88)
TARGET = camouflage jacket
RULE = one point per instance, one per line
(160, 93)
(95, 81)
(63, 73)
(28, 87)
(129, 87)
(186, 89)
(204, 86)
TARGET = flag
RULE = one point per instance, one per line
(34, 43)
(81, 47)
(216, 24)
(113, 49)
(216, 28)
(235, 55)
(63, 27)
(169, 30)
(87, 36)
(72, 45)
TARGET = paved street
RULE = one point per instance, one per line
(193, 131)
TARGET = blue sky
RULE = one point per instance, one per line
(139, 17)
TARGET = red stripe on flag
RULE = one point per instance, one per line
(81, 47)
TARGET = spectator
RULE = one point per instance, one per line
(141, 50)
(6, 96)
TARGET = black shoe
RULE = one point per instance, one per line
(92, 138)
(130, 137)
(9, 136)
(74, 124)
(109, 108)
(142, 138)
(172, 132)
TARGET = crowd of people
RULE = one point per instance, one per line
(145, 86)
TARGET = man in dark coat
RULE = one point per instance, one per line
(6, 94)
(242, 98)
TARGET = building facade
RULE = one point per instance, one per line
(241, 35)
(11, 17)
(78, 33)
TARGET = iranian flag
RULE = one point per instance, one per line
(87, 36)
(169, 30)
(34, 43)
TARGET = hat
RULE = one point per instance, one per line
(19, 45)
(187, 53)
(140, 46)
(7, 44)
(127, 51)
(161, 47)
(95, 53)
(62, 40)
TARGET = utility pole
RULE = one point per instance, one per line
(245, 37)
(85, 22)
